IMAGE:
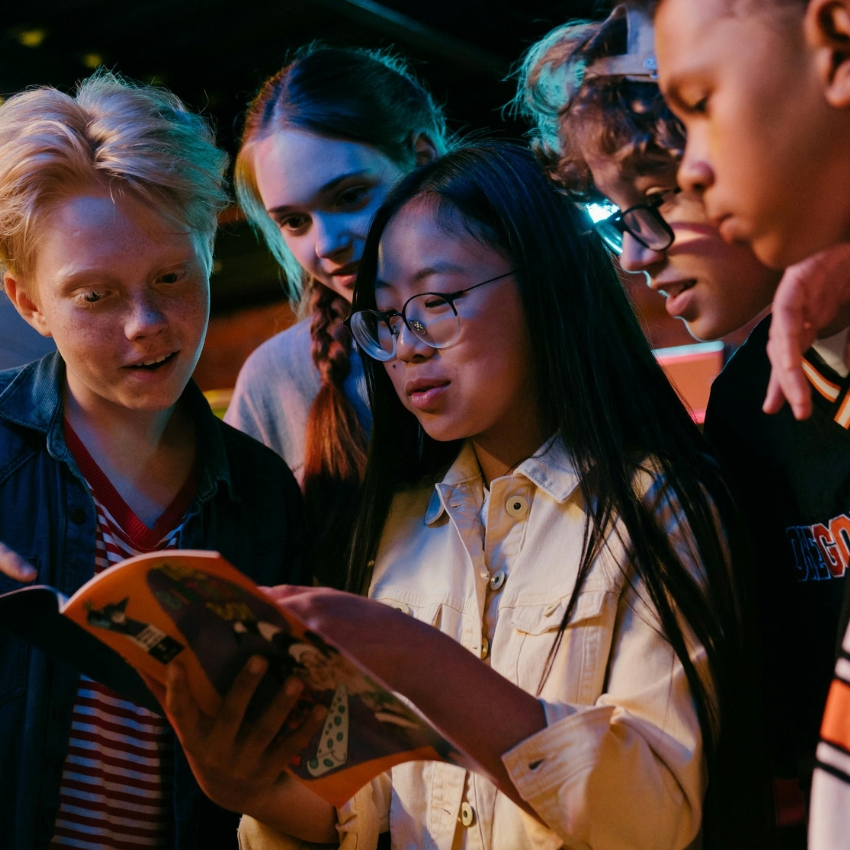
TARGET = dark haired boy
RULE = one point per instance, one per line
(763, 88)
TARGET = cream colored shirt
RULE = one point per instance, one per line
(620, 763)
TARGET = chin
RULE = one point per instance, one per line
(443, 432)
(777, 252)
(706, 329)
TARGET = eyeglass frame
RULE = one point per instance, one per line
(617, 220)
(449, 297)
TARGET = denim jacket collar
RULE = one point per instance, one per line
(550, 468)
(33, 399)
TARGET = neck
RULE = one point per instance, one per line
(115, 430)
(498, 454)
(147, 455)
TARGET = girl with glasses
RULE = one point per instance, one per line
(324, 141)
(604, 134)
(541, 508)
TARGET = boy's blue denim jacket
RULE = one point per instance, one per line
(247, 506)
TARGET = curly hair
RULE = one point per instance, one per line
(569, 112)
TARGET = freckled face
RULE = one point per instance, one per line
(125, 295)
(323, 193)
(714, 287)
(763, 145)
(481, 386)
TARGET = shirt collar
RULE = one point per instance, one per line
(33, 399)
(33, 396)
(550, 468)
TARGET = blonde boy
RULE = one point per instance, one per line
(108, 209)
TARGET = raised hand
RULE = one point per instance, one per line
(812, 296)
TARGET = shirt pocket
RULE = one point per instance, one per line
(577, 671)
(429, 613)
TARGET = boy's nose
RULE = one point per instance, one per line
(145, 318)
(637, 257)
(695, 174)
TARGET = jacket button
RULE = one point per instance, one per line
(517, 506)
(78, 516)
(485, 647)
(467, 814)
(497, 580)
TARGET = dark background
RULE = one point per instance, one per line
(215, 53)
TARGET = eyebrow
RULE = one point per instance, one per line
(322, 190)
(428, 271)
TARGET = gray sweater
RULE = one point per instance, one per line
(276, 388)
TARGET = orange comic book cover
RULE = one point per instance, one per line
(155, 607)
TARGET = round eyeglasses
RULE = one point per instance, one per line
(430, 316)
(643, 222)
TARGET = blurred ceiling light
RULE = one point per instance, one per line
(92, 60)
(31, 38)
(599, 211)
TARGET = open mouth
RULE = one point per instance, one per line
(153, 365)
(675, 289)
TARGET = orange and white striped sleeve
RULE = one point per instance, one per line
(829, 817)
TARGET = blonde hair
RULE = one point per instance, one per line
(132, 140)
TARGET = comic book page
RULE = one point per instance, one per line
(156, 607)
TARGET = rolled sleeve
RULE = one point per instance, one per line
(626, 772)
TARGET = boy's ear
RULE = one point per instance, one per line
(25, 305)
(827, 32)
(424, 147)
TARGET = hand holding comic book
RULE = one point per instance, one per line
(191, 614)
(481, 712)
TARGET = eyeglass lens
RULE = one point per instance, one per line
(430, 318)
(644, 224)
(648, 227)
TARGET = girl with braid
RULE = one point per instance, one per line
(324, 141)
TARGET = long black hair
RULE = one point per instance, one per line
(600, 388)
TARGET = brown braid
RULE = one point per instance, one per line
(335, 455)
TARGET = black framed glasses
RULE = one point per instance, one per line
(431, 317)
(643, 222)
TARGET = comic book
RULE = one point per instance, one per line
(142, 613)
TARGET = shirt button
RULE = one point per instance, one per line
(78, 516)
(467, 814)
(400, 606)
(517, 506)
(497, 580)
(485, 647)
(551, 609)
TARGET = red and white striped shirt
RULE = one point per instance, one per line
(116, 783)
